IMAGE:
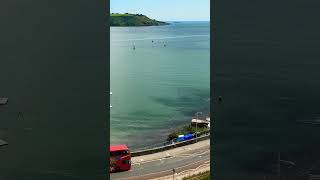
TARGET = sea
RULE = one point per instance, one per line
(266, 68)
(52, 70)
(159, 78)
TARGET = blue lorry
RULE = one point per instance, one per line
(181, 138)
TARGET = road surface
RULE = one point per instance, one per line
(162, 164)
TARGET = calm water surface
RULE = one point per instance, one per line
(267, 70)
(159, 85)
(52, 69)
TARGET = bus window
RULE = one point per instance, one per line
(126, 162)
(118, 153)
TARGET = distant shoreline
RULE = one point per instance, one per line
(135, 20)
(170, 23)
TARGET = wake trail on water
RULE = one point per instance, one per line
(174, 37)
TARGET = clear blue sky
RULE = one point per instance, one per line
(165, 10)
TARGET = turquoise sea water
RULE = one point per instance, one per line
(161, 83)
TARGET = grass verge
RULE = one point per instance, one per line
(200, 176)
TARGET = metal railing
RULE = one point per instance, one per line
(170, 146)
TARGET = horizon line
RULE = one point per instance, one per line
(203, 20)
(160, 19)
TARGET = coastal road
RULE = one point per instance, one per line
(180, 159)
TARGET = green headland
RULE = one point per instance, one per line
(127, 19)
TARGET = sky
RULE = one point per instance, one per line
(165, 10)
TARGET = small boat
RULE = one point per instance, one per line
(3, 143)
(3, 101)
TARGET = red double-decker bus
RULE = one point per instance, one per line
(120, 158)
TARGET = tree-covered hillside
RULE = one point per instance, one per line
(133, 20)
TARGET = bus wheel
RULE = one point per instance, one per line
(117, 169)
